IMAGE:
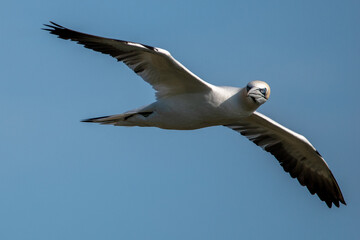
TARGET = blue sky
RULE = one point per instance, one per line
(63, 179)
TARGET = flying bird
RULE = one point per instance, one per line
(185, 102)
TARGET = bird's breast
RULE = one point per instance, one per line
(193, 111)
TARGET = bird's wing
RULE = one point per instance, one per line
(295, 154)
(155, 65)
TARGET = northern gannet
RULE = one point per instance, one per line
(185, 102)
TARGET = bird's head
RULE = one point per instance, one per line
(258, 91)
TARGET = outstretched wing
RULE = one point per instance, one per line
(155, 65)
(295, 154)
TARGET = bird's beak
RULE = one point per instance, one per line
(253, 91)
(256, 96)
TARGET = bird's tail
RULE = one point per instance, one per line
(130, 118)
(118, 119)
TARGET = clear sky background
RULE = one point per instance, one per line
(63, 179)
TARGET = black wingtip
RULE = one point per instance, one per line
(52, 27)
(57, 25)
(342, 200)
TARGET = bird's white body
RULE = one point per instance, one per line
(220, 106)
(185, 102)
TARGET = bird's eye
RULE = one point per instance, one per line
(263, 90)
(248, 88)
